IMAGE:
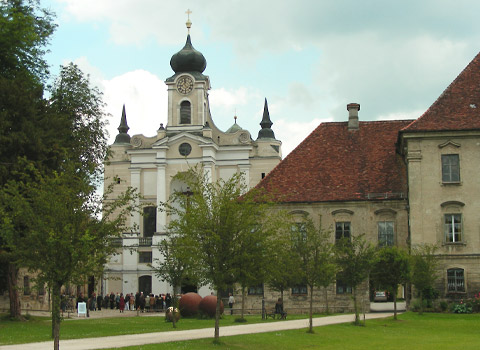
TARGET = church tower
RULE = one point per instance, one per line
(150, 163)
(187, 89)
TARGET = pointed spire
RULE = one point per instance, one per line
(266, 132)
(123, 136)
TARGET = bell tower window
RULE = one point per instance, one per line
(185, 113)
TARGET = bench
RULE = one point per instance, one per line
(271, 313)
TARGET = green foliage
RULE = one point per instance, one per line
(313, 249)
(354, 258)
(227, 228)
(25, 30)
(462, 308)
(424, 271)
(391, 268)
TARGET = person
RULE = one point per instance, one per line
(152, 302)
(80, 299)
(112, 300)
(137, 300)
(93, 302)
(106, 301)
(279, 309)
(132, 302)
(168, 300)
(99, 302)
(147, 303)
(142, 302)
(127, 301)
(121, 303)
(117, 301)
(231, 301)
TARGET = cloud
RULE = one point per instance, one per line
(145, 99)
(292, 132)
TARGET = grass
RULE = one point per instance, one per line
(411, 332)
(427, 332)
(38, 329)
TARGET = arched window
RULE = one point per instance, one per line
(149, 221)
(185, 113)
(145, 284)
(456, 280)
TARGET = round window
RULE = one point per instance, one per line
(185, 149)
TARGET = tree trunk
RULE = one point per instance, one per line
(355, 306)
(217, 320)
(174, 304)
(310, 321)
(243, 301)
(12, 278)
(395, 305)
(326, 301)
(421, 303)
(56, 289)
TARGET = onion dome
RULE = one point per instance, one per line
(188, 59)
(122, 136)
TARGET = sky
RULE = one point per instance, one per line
(308, 58)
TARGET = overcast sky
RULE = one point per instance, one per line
(309, 58)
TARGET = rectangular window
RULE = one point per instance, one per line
(453, 228)
(149, 221)
(456, 280)
(299, 232)
(385, 233)
(342, 287)
(26, 285)
(144, 257)
(342, 230)
(256, 290)
(299, 290)
(450, 168)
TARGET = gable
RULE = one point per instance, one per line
(458, 107)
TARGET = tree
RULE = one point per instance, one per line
(390, 270)
(25, 30)
(284, 265)
(176, 265)
(219, 217)
(354, 259)
(63, 239)
(424, 270)
(315, 251)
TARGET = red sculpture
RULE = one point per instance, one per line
(208, 305)
(188, 304)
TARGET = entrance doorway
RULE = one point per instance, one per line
(145, 284)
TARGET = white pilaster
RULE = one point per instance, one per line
(135, 182)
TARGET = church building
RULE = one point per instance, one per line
(149, 164)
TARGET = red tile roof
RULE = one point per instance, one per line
(458, 107)
(335, 164)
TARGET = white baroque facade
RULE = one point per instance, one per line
(149, 163)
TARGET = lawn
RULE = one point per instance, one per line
(39, 328)
(411, 332)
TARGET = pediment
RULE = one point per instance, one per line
(182, 137)
(449, 143)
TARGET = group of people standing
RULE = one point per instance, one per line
(128, 302)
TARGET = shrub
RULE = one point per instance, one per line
(443, 306)
(462, 308)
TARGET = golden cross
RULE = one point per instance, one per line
(189, 23)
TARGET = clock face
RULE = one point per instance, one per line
(185, 85)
